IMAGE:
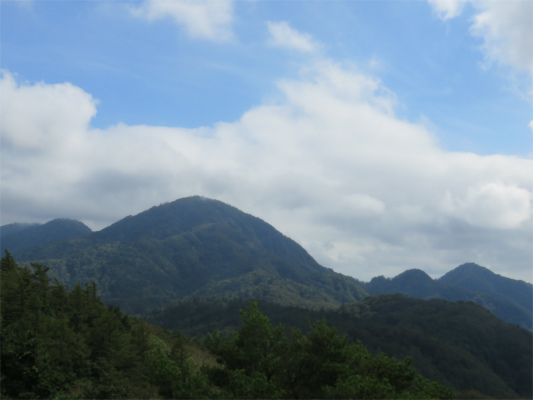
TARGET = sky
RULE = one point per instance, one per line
(379, 135)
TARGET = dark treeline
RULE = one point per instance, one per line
(57, 343)
(459, 344)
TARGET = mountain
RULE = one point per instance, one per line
(18, 236)
(193, 247)
(414, 282)
(473, 277)
(459, 344)
(68, 344)
(509, 299)
(9, 229)
(184, 259)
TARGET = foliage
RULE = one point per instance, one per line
(259, 361)
(460, 345)
(61, 344)
(64, 344)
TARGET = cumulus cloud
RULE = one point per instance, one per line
(282, 35)
(43, 130)
(203, 19)
(330, 166)
(506, 28)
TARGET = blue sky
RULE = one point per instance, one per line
(154, 73)
(413, 116)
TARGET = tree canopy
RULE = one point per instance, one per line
(57, 343)
(260, 361)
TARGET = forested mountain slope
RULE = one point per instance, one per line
(475, 278)
(509, 299)
(459, 344)
(20, 236)
(62, 344)
(193, 247)
(9, 229)
(201, 247)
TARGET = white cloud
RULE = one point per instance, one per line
(203, 19)
(330, 166)
(491, 205)
(282, 35)
(447, 9)
(506, 28)
(43, 130)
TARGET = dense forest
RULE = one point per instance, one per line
(59, 343)
(459, 344)
(191, 265)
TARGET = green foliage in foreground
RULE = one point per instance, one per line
(460, 345)
(60, 344)
(259, 361)
(64, 344)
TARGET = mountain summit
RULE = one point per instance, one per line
(19, 236)
(509, 299)
(194, 247)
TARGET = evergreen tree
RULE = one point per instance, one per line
(260, 362)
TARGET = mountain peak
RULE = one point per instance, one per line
(176, 217)
(467, 272)
(413, 275)
(20, 236)
(413, 282)
(195, 246)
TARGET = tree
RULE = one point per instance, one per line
(252, 358)
(259, 361)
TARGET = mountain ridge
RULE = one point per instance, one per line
(509, 299)
(189, 246)
(197, 246)
(18, 236)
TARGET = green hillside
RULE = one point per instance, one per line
(193, 247)
(458, 344)
(63, 344)
(509, 299)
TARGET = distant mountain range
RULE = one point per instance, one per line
(509, 299)
(198, 247)
(190, 264)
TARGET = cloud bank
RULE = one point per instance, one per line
(329, 165)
